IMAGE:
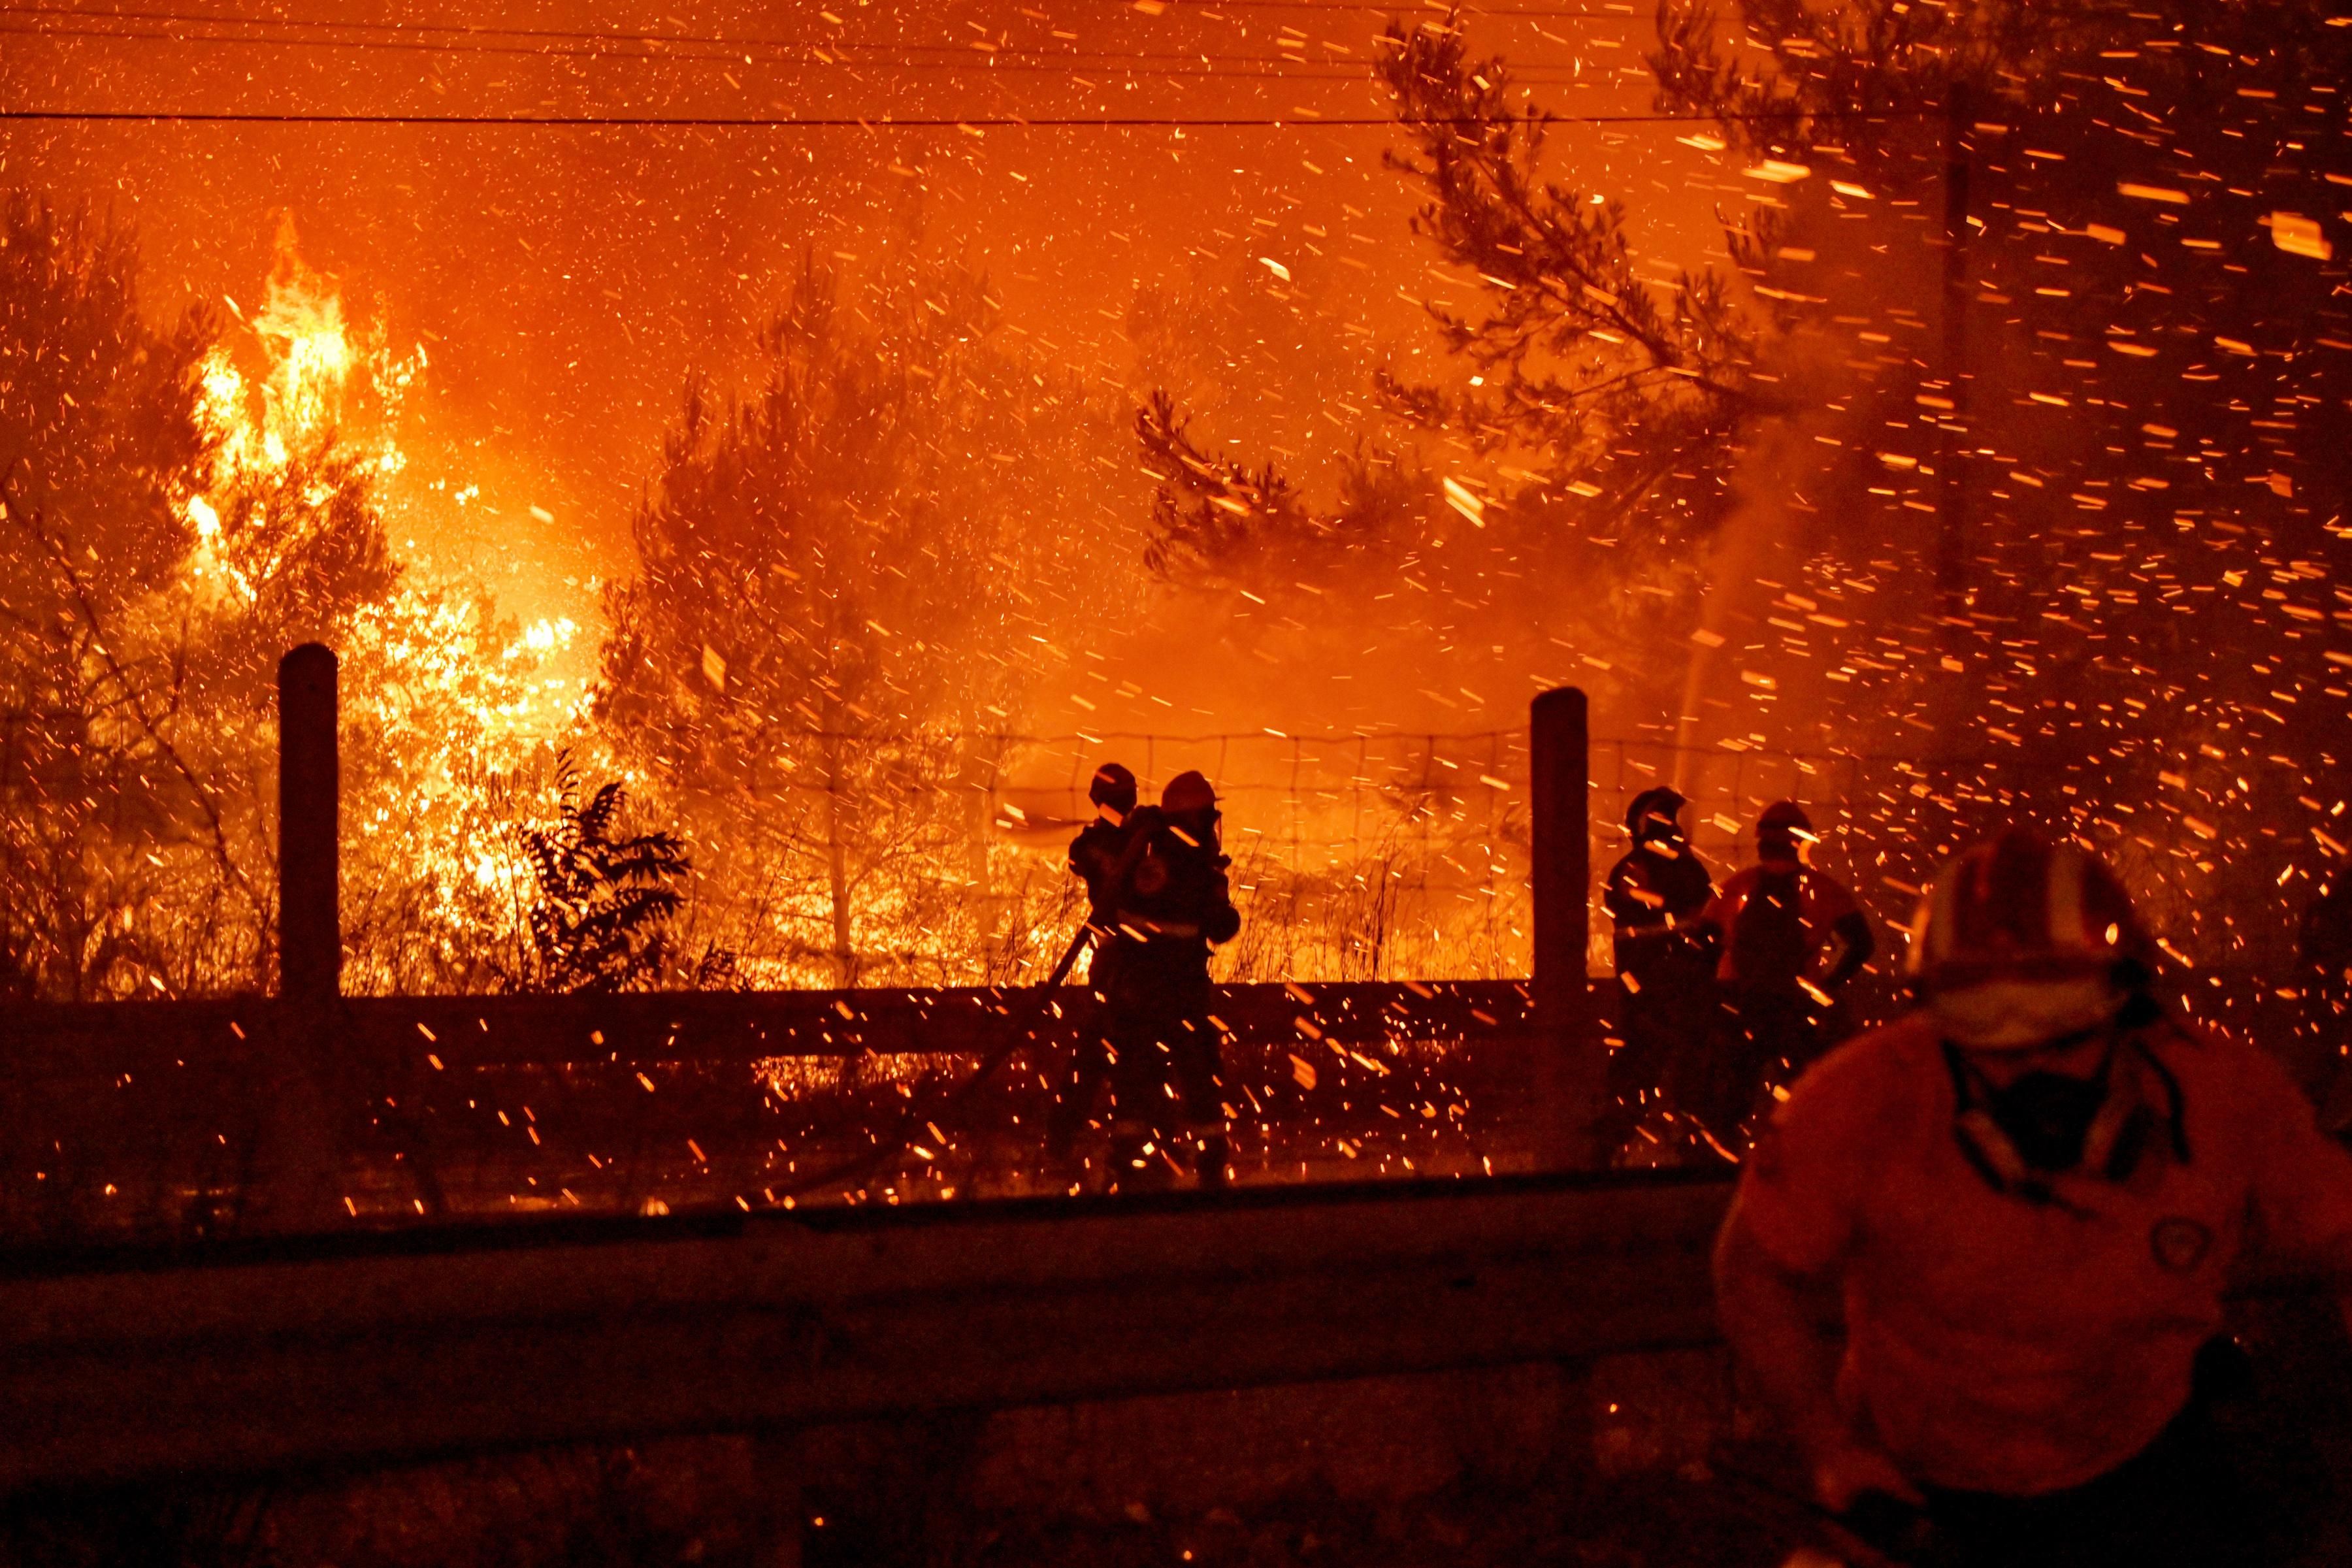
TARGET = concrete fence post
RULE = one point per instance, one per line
(298, 1183)
(309, 928)
(1569, 1075)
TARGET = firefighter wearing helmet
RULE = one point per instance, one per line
(2028, 1194)
(1172, 905)
(1787, 937)
(1099, 858)
(1654, 894)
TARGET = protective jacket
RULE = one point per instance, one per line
(1775, 921)
(1094, 856)
(2021, 1332)
(1653, 892)
(1099, 858)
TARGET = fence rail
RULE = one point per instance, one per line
(195, 1121)
(662, 1028)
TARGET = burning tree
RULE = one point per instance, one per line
(829, 624)
(177, 515)
(101, 447)
(154, 573)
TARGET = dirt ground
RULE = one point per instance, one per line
(643, 1509)
(1648, 1461)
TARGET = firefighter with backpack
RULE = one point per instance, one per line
(1158, 900)
(1172, 905)
(1665, 985)
(1787, 939)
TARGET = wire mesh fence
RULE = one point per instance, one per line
(939, 859)
(1357, 857)
(1394, 855)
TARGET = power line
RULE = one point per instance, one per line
(782, 56)
(808, 53)
(779, 54)
(720, 40)
(1103, 65)
(1294, 122)
(702, 50)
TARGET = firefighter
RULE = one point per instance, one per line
(1771, 927)
(1099, 856)
(1665, 988)
(2028, 1194)
(1173, 906)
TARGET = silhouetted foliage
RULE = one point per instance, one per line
(1210, 513)
(1216, 523)
(602, 899)
(1617, 385)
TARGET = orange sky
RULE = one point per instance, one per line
(565, 281)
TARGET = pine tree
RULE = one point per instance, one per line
(832, 571)
(1609, 384)
(2115, 401)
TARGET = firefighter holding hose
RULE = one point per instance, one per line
(2026, 1198)
(1099, 858)
(1172, 905)
(1655, 896)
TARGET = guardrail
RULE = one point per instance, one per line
(271, 1357)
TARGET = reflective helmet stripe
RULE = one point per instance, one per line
(1955, 895)
(2067, 927)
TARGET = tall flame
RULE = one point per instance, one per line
(311, 372)
(301, 325)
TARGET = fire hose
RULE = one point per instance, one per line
(1018, 1031)
(1138, 821)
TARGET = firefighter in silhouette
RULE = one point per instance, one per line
(2028, 1196)
(1173, 904)
(1772, 926)
(1098, 857)
(1665, 1000)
